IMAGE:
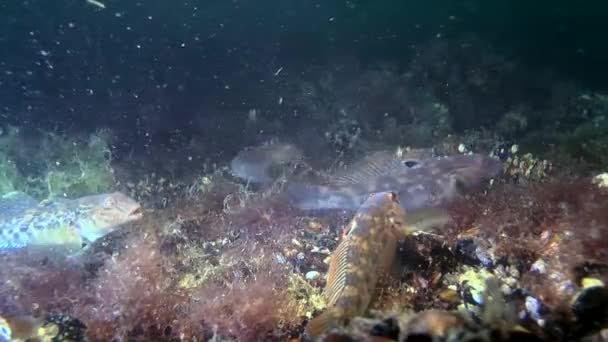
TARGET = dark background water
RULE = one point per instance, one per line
(166, 66)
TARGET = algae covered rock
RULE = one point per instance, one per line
(589, 140)
(48, 165)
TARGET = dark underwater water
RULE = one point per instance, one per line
(148, 69)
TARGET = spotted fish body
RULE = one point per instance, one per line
(64, 222)
(426, 183)
(367, 251)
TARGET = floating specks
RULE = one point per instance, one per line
(96, 3)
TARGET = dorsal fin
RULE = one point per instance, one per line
(371, 166)
(380, 163)
(338, 269)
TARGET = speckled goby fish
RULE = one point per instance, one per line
(366, 251)
(62, 222)
(261, 164)
(426, 182)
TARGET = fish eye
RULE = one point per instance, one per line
(393, 197)
(411, 163)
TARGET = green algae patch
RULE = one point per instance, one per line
(49, 165)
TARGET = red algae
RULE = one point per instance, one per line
(253, 309)
(34, 286)
(559, 223)
(133, 293)
(511, 212)
(195, 287)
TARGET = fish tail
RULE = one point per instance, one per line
(322, 323)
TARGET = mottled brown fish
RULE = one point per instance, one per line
(420, 183)
(365, 253)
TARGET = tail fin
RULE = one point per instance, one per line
(322, 323)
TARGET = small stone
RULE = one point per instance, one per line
(533, 307)
(312, 275)
(601, 180)
(462, 148)
(539, 266)
(590, 282)
(514, 148)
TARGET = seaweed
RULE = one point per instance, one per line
(45, 164)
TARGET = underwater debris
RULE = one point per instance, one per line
(472, 285)
(496, 321)
(96, 3)
(470, 250)
(309, 298)
(537, 235)
(527, 168)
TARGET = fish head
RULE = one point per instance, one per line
(442, 179)
(385, 205)
(401, 224)
(469, 171)
(105, 213)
